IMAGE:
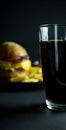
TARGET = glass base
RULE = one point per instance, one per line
(56, 107)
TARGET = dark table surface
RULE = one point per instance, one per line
(26, 110)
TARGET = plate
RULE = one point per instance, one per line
(6, 86)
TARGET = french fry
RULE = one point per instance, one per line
(34, 75)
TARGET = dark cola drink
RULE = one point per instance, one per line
(53, 58)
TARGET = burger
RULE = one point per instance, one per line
(14, 61)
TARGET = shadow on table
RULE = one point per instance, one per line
(23, 110)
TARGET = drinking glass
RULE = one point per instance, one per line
(52, 41)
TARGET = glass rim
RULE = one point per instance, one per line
(50, 25)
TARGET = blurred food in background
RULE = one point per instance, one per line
(34, 75)
(16, 65)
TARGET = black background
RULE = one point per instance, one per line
(20, 20)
